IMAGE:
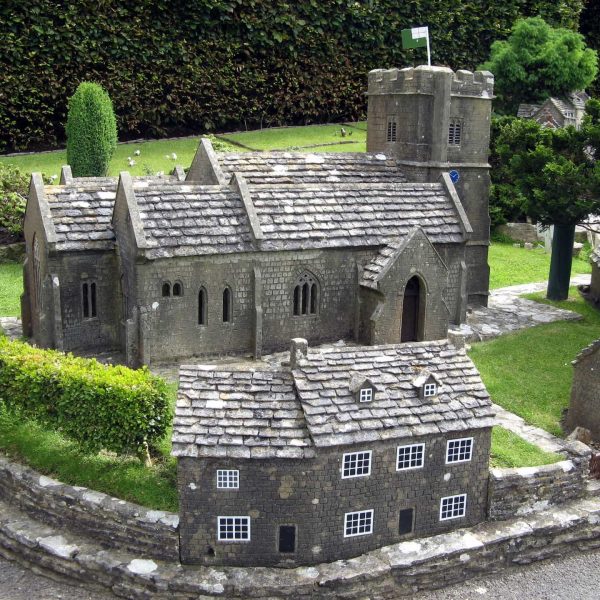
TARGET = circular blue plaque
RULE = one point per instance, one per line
(454, 176)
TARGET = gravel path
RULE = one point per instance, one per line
(571, 578)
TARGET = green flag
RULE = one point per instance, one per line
(416, 37)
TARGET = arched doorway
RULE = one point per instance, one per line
(410, 311)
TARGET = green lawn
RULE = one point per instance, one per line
(156, 155)
(510, 450)
(287, 138)
(513, 266)
(11, 288)
(530, 372)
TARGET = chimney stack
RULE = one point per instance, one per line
(298, 352)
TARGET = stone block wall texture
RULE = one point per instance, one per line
(311, 494)
(521, 232)
(584, 407)
(424, 101)
(517, 492)
(113, 523)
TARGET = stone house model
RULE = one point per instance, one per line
(557, 112)
(345, 450)
(253, 249)
(584, 408)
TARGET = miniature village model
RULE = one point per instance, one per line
(344, 448)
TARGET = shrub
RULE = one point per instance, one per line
(91, 131)
(13, 193)
(99, 406)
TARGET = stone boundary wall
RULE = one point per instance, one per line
(112, 522)
(389, 573)
(516, 492)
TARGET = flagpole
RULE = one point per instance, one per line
(428, 50)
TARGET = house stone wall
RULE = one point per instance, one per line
(584, 408)
(311, 494)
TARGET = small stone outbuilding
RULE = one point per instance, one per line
(557, 112)
(584, 408)
(345, 450)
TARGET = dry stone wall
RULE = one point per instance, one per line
(531, 489)
(114, 523)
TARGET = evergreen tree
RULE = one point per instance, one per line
(91, 131)
(559, 178)
(538, 61)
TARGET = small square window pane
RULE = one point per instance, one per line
(410, 457)
(234, 528)
(460, 450)
(358, 523)
(429, 390)
(356, 464)
(228, 479)
(453, 507)
(366, 395)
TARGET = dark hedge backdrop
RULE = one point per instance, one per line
(200, 65)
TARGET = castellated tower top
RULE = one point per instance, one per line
(422, 80)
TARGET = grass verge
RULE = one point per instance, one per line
(511, 450)
(155, 155)
(123, 477)
(530, 372)
(514, 266)
(11, 288)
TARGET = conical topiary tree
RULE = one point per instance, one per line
(91, 131)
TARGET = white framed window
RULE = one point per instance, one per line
(233, 529)
(453, 507)
(358, 523)
(429, 390)
(459, 450)
(410, 457)
(366, 395)
(228, 479)
(356, 464)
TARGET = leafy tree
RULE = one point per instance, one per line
(589, 26)
(91, 131)
(559, 178)
(538, 61)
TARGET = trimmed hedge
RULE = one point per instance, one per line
(91, 131)
(101, 407)
(172, 67)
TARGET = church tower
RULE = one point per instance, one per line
(433, 120)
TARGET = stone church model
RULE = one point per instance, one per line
(254, 249)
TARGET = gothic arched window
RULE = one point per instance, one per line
(306, 295)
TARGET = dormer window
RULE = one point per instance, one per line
(365, 395)
(427, 384)
(362, 388)
(429, 390)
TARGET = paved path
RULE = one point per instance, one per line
(507, 312)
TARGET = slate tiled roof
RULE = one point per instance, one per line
(183, 220)
(334, 416)
(262, 414)
(527, 111)
(82, 211)
(82, 214)
(238, 413)
(337, 215)
(372, 269)
(288, 167)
